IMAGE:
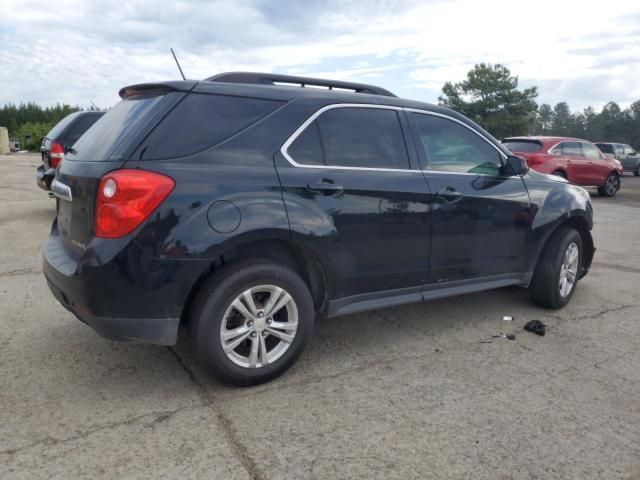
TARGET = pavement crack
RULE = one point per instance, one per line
(156, 418)
(21, 271)
(223, 422)
(604, 311)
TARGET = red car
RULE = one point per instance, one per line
(579, 161)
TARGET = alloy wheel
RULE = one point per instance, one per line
(569, 269)
(259, 326)
(612, 184)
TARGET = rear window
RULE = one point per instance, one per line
(605, 147)
(59, 127)
(78, 129)
(105, 135)
(201, 121)
(523, 145)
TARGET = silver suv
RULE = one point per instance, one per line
(629, 158)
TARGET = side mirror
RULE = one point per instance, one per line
(515, 166)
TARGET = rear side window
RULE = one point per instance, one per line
(353, 137)
(522, 145)
(201, 121)
(605, 147)
(589, 151)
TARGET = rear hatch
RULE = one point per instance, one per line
(528, 148)
(56, 131)
(105, 147)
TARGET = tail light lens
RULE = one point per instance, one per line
(126, 198)
(56, 153)
(534, 159)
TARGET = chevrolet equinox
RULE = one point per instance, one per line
(246, 205)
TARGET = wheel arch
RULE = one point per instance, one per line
(278, 250)
(581, 224)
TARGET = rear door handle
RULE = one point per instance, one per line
(449, 194)
(326, 187)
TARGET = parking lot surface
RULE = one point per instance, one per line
(422, 391)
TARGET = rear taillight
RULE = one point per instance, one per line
(126, 198)
(534, 158)
(56, 153)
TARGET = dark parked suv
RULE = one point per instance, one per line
(244, 205)
(61, 137)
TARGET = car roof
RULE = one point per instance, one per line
(275, 91)
(270, 87)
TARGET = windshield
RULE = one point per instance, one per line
(522, 145)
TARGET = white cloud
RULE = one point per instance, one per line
(77, 51)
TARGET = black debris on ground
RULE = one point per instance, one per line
(536, 326)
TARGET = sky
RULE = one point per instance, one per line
(79, 52)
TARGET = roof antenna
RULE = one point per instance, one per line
(177, 63)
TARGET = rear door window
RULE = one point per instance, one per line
(571, 148)
(353, 137)
(306, 149)
(201, 121)
(363, 137)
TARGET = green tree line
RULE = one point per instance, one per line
(29, 122)
(490, 96)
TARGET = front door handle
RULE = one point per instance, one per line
(449, 194)
(326, 187)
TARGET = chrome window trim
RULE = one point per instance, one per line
(554, 153)
(292, 138)
(285, 147)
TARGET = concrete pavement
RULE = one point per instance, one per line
(421, 391)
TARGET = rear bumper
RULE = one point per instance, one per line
(44, 177)
(160, 331)
(131, 297)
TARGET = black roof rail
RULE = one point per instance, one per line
(292, 80)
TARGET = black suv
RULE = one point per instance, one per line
(245, 205)
(60, 139)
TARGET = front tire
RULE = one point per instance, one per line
(251, 322)
(611, 186)
(637, 171)
(560, 173)
(558, 269)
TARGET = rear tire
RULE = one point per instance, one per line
(547, 288)
(560, 173)
(637, 172)
(233, 305)
(611, 186)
